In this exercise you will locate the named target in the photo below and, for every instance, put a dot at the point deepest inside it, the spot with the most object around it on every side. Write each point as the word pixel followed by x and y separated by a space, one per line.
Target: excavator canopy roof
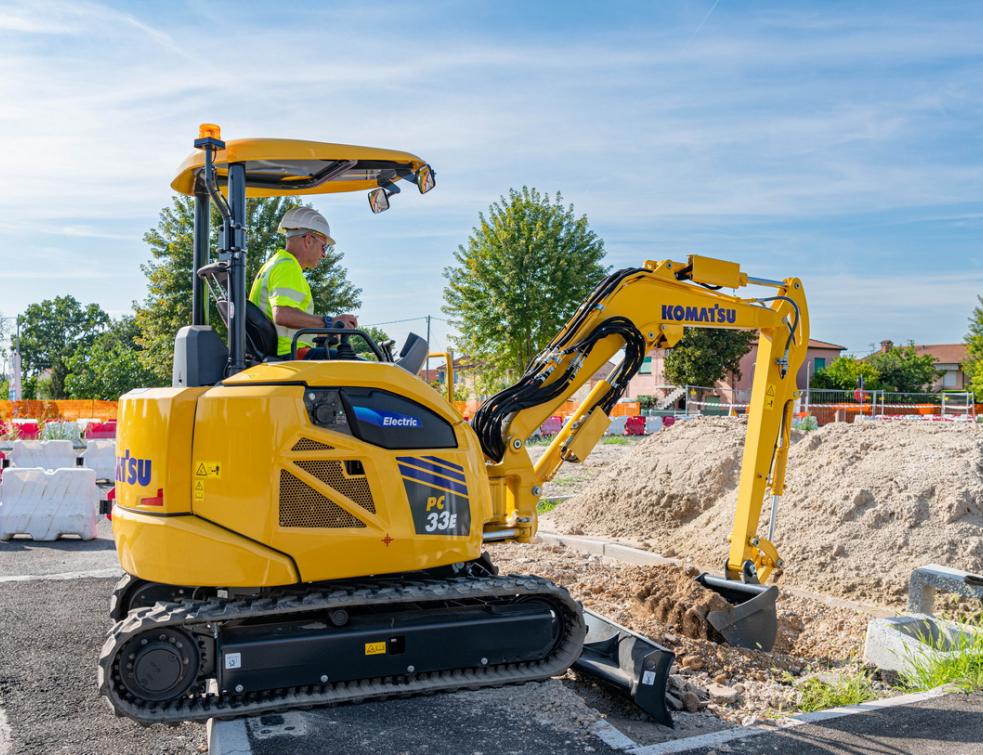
pixel 282 167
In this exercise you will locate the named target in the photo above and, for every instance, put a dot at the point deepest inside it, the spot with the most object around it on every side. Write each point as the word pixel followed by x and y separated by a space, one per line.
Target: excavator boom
pixel 633 311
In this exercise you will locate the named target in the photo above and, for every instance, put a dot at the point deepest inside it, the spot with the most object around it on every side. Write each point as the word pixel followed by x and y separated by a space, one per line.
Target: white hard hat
pixel 304 219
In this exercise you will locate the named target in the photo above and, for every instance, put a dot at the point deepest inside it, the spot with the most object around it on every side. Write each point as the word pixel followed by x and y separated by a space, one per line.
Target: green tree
pixel 525 268
pixel 974 345
pixel 844 374
pixel 168 304
pixel 50 333
pixel 900 369
pixel 378 335
pixel 110 366
pixel 705 355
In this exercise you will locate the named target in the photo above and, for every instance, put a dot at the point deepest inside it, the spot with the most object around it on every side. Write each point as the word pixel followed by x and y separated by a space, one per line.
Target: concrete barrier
pixel 46 505
pixel 46 454
pixel 897 643
pixel 617 426
pixel 653 425
pixel 100 456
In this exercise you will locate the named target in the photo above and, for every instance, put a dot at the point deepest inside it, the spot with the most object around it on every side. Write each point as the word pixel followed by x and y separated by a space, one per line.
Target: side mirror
pixel 378 200
pixel 426 179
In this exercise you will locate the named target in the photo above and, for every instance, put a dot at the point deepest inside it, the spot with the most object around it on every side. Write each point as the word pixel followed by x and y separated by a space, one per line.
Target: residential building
pixel 651 377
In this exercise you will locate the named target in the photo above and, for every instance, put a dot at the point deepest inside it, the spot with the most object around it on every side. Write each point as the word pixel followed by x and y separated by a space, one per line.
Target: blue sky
pixel 840 142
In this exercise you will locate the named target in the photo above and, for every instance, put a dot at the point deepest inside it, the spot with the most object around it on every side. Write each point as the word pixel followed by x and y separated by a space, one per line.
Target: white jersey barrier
pixel 653 425
pixel 617 426
pixel 47 454
pixel 100 456
pixel 45 505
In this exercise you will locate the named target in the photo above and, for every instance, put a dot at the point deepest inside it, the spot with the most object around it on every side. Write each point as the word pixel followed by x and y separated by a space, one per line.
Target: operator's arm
pixel 291 317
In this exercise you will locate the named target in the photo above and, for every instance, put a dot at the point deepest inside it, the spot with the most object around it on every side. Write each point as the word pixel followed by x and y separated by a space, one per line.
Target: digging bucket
pixel 629 661
pixel 751 621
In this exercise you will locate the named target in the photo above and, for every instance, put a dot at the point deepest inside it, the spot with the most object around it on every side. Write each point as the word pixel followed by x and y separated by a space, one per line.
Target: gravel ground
pixel 51 632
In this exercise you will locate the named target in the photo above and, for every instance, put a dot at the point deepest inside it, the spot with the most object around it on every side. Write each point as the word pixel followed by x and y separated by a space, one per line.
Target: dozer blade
pixel 627 660
pixel 751 621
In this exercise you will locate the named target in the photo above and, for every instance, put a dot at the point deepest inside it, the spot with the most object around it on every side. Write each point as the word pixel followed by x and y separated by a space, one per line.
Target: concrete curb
pixel 227 737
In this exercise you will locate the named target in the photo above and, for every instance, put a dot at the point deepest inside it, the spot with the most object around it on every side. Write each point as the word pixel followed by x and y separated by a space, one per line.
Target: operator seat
pixel 261 337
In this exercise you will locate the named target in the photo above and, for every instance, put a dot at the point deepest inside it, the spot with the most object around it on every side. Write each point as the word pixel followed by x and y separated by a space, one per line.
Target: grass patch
pixel 546 505
pixel 615 440
pixel 959 663
pixel 817 694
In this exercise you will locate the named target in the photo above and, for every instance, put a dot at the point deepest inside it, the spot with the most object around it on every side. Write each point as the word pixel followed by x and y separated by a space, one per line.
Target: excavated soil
pixel 666 604
pixel 864 503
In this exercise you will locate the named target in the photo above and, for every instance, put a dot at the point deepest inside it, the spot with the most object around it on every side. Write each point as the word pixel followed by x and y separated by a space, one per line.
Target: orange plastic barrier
pixel 60 410
pixel 627 409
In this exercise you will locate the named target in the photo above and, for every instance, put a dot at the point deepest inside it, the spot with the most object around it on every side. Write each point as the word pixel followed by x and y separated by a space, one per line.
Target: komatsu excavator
pixel 300 532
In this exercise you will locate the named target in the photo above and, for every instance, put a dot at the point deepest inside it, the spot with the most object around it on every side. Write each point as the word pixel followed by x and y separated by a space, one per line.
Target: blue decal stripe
pixel 446 463
pixel 427 466
pixel 429 487
pixel 416 475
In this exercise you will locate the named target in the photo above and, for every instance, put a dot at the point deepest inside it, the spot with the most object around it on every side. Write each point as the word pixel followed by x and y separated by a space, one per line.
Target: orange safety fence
pixel 68 410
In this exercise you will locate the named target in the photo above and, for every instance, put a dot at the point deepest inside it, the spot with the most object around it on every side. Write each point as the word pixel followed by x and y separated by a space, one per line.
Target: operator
pixel 280 288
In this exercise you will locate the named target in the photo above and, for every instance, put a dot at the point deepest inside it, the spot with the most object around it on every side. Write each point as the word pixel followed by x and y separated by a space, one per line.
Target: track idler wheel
pixel 159 665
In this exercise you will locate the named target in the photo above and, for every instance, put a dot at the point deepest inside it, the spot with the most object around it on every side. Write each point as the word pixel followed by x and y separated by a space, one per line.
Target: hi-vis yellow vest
pixel 280 282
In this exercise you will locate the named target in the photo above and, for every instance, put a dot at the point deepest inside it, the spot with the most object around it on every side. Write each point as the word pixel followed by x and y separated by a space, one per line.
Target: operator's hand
pixel 349 321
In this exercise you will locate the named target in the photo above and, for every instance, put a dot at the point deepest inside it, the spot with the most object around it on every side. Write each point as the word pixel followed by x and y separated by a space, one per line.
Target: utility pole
pixel 429 348
pixel 14 391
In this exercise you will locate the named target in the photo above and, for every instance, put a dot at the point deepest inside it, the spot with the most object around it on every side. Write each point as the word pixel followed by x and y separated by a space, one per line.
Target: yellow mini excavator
pixel 300 532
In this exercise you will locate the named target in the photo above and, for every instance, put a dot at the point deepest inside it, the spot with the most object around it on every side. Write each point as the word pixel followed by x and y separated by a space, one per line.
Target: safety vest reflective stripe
pixel 262 299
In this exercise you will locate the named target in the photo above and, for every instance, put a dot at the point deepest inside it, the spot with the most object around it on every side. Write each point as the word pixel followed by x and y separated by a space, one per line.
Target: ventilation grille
pixel 329 472
pixel 302 506
pixel 306 444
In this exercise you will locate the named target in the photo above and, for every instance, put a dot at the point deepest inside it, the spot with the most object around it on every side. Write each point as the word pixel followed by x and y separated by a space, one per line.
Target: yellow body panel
pixel 242 441
pixel 255 152
pixel 153 449
pixel 186 550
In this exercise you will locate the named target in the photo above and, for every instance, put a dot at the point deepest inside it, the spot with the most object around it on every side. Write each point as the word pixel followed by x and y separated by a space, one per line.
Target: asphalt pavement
pixel 54 617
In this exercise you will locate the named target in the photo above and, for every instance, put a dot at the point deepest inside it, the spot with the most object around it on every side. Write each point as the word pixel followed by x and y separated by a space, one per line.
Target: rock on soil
pixel 864 503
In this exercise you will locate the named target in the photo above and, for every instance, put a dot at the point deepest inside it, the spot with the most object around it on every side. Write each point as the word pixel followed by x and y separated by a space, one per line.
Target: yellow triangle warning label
pixel 200 471
pixel 771 390
pixel 200 485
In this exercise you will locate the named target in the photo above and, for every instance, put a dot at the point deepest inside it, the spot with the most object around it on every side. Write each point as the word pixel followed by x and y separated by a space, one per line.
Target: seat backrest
pixel 261 336
pixel 260 331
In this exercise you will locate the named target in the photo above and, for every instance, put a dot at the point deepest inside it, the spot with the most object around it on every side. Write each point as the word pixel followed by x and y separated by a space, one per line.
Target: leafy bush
pixel 60 431
pixel 805 424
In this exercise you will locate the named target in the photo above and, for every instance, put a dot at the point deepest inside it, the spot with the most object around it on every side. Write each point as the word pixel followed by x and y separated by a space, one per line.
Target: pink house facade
pixel 651 377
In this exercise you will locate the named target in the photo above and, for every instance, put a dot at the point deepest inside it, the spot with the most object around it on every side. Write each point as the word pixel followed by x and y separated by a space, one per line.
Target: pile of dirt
pixel 666 604
pixel 864 504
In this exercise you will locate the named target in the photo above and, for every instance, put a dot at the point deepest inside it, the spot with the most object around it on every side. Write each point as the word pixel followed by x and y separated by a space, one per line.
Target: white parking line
pixel 6 738
pixel 94 574
pixel 714 739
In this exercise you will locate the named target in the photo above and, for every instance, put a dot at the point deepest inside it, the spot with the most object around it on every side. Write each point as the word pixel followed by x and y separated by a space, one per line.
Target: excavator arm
pixel 633 311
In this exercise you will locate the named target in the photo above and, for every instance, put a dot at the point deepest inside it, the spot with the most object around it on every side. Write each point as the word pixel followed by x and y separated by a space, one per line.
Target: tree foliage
pixel 523 271
pixel 110 366
pixel 168 304
pixel 974 345
pixel 901 369
pixel 844 374
pixel 705 355
pixel 50 332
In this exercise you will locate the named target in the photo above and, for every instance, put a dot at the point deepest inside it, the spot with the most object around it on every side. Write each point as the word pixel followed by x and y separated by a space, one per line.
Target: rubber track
pixel 192 614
